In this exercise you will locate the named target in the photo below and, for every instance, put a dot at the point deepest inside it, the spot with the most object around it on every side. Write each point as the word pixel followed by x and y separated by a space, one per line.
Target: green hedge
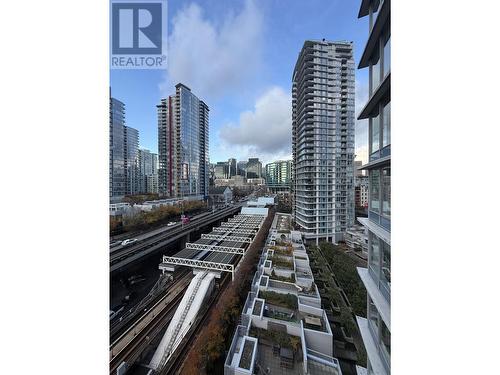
pixel 344 268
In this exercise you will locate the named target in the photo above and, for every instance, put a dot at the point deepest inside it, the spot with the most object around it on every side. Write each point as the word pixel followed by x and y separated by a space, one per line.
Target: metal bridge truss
pixel 219 237
pixel 199 263
pixel 218 249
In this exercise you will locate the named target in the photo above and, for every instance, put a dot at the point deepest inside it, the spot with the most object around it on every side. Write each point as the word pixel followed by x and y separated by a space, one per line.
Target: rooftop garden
pixel 281 242
pixel 274 312
pixel 283 339
pixel 344 269
pixel 283 250
pixel 279 299
pixel 263 281
pixel 257 307
pixel 280 261
pixel 282 278
pixel 246 355
pixel 310 290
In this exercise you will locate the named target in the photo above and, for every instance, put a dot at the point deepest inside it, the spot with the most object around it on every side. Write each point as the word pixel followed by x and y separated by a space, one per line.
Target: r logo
pixel 137 28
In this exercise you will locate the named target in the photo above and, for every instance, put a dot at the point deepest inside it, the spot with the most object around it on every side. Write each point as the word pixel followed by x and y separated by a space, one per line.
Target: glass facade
pixel 375 191
pixel 378 49
pixel 189 144
pixel 183 145
pixel 386 128
pixel 132 160
pixel 123 158
pixel 117 150
pixel 385 274
pixel 375 138
pixel 278 175
pixel 387 56
pixel 375 72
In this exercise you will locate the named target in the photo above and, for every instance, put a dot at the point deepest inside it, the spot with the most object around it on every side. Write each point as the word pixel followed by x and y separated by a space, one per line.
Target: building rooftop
pixel 283 313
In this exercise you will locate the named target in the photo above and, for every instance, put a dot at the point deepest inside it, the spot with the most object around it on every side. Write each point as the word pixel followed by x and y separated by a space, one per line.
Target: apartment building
pixel 148 172
pixel 376 328
pixel 183 145
pixel 323 140
pixel 278 175
pixel 123 153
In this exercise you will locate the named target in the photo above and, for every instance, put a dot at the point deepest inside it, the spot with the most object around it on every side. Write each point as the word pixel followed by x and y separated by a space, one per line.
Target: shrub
pixel 279 299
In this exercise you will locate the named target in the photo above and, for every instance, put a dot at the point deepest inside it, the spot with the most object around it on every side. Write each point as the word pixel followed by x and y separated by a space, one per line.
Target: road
pixel 158 238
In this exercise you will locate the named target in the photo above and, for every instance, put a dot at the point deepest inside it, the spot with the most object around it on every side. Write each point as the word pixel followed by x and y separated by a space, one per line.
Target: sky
pixel 238 56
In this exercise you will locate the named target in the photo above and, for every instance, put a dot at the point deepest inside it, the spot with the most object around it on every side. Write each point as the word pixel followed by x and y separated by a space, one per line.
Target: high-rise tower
pixel 323 140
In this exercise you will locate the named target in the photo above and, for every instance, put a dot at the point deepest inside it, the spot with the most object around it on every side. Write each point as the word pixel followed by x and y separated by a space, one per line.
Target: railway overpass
pixel 157 239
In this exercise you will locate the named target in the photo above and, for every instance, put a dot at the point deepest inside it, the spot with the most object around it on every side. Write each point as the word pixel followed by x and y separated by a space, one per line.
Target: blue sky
pixel 238 56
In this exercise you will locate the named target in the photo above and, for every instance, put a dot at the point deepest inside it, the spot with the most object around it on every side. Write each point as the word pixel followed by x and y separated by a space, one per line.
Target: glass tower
pixel 183 145
pixel 278 175
pixel 376 328
pixel 123 152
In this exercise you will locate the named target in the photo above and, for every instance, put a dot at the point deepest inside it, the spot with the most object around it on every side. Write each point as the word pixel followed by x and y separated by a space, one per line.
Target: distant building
pixel 183 145
pixel 361 191
pixel 211 176
pixel 356 238
pixel 123 153
pixel 254 168
pixel 220 195
pixel 152 184
pixel 323 140
pixel 232 168
pixel 278 175
pixel 358 172
pixel 148 172
pixel 221 170
pixel 132 162
pixel 242 168
pixel 256 181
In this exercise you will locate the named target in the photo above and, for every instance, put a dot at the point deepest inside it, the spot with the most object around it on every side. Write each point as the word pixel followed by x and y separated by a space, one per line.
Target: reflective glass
pixel 375 190
pixel 386 191
pixel 386 131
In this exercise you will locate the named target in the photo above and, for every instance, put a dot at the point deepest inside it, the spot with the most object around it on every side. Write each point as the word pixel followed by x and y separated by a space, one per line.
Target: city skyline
pixel 250 108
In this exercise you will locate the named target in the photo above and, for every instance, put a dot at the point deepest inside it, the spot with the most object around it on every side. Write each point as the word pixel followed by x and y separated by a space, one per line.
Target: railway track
pixel 174 365
pixel 118 327
pixel 132 342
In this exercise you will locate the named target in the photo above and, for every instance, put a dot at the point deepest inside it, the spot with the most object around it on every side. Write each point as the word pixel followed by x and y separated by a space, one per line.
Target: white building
pixel 323 140
pixel 283 324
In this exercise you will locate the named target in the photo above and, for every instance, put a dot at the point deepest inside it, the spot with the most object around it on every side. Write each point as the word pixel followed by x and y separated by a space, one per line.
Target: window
pixel 385 275
pixel 385 344
pixel 387 56
pixel 375 72
pixel 386 127
pixel 374 190
pixel 373 317
pixel 386 191
pixel 375 141
pixel 375 255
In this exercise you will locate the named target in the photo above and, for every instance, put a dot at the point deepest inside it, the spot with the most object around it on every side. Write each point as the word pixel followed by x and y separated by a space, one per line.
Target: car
pixel 171 223
pixel 128 241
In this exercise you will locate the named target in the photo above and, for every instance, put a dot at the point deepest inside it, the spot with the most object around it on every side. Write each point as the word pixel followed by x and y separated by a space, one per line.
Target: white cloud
pixel 212 59
pixel 265 131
